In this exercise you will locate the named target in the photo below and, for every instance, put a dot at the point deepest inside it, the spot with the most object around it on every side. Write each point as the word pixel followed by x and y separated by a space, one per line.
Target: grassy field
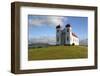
pixel 57 52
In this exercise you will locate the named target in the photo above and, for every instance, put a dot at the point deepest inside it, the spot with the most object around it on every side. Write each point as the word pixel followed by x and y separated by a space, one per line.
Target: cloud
pixel 56 20
pixel 49 40
pixel 47 20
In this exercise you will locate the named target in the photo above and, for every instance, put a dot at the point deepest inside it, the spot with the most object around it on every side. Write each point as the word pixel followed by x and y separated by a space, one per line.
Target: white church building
pixel 66 36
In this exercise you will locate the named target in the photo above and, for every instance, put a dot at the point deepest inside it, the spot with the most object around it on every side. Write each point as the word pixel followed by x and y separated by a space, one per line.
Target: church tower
pixel 68 34
pixel 58 34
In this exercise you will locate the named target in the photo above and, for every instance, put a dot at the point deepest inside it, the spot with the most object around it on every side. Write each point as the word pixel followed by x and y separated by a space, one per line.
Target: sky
pixel 43 27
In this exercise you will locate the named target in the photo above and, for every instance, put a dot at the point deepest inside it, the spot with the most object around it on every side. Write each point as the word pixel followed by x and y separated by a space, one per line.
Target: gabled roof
pixel 74 35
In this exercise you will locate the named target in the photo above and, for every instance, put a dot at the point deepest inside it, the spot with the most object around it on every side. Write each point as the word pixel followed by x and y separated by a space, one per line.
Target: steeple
pixel 58 26
pixel 68 25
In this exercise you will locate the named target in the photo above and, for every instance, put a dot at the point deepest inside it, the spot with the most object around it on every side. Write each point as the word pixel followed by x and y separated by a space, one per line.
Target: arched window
pixel 67 30
pixel 57 30
pixel 67 38
pixel 57 38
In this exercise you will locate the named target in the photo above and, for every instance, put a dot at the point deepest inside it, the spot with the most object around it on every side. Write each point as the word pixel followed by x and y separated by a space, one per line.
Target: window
pixel 57 30
pixel 57 38
pixel 67 30
pixel 67 38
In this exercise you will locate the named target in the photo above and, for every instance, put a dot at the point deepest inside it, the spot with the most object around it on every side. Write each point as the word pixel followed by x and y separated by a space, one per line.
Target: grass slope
pixel 57 52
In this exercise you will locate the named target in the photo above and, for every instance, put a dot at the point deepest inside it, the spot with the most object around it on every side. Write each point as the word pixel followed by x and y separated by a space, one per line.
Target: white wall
pixel 75 40
pixel 58 35
pixel 5 27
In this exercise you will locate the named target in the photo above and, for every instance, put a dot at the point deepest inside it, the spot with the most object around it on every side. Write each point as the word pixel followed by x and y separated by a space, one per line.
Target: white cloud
pixel 56 20
pixel 44 39
pixel 48 20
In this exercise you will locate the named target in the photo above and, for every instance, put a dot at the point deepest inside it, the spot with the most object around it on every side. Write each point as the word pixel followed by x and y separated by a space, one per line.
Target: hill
pixel 57 52
pixel 83 42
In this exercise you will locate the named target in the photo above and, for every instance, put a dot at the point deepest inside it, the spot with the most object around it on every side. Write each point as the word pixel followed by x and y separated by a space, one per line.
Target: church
pixel 66 36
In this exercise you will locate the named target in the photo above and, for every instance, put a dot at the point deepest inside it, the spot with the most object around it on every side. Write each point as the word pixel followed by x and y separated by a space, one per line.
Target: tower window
pixel 57 39
pixel 57 30
pixel 67 38
pixel 67 30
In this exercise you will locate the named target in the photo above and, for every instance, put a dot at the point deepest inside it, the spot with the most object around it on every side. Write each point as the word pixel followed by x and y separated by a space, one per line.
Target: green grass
pixel 57 52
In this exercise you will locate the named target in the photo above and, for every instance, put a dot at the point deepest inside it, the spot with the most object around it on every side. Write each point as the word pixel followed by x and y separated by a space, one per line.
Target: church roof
pixel 58 26
pixel 68 25
pixel 74 35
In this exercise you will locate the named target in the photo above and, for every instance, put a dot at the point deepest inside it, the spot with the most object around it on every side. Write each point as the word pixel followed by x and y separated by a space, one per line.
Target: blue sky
pixel 40 26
